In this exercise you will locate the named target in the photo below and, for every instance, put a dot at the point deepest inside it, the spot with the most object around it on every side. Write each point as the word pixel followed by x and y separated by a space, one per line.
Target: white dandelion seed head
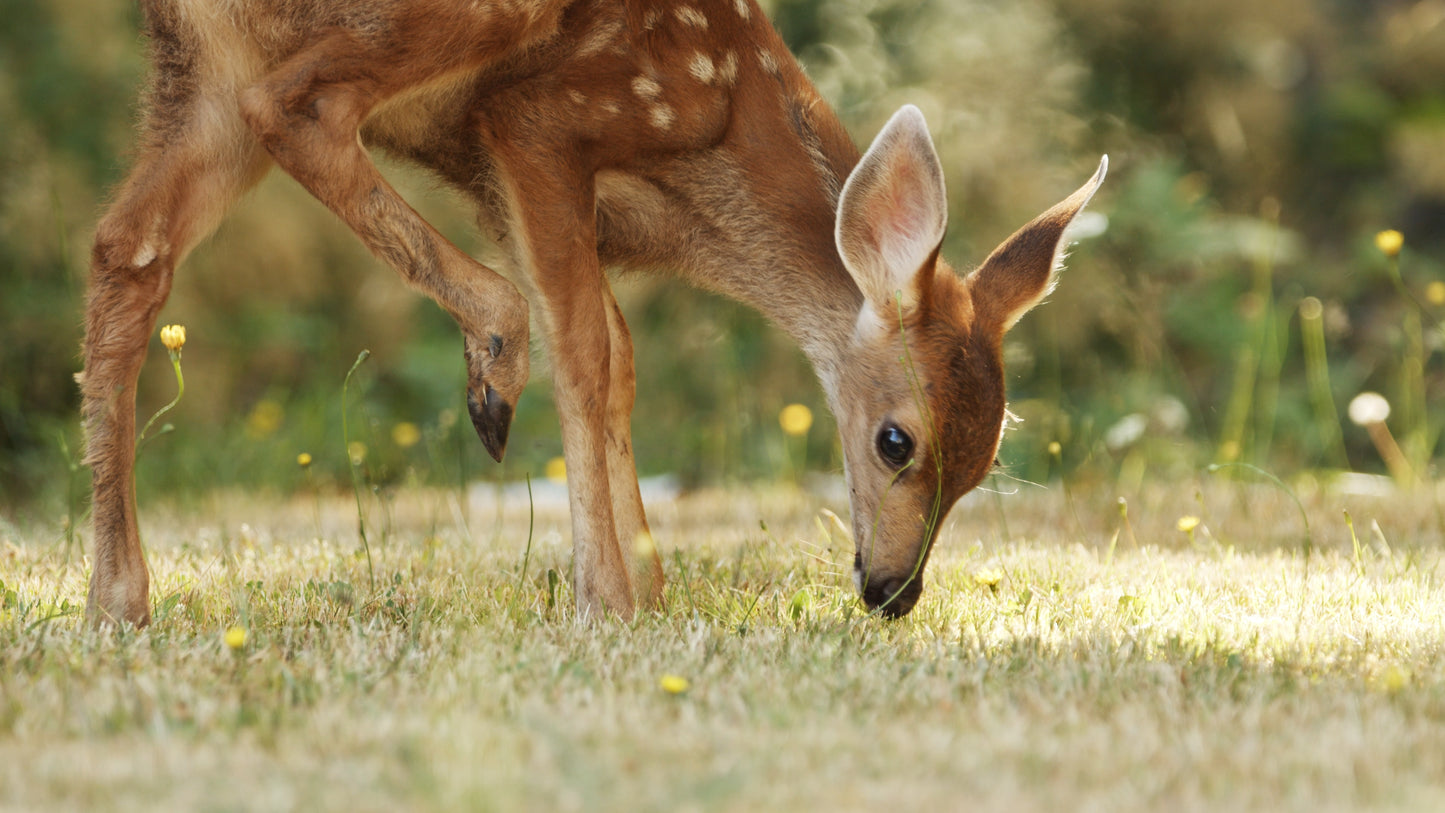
pixel 1369 408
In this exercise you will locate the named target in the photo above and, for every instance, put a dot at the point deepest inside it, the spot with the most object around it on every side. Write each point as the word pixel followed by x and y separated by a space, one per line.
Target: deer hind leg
pixel 628 514
pixel 174 197
pixel 307 114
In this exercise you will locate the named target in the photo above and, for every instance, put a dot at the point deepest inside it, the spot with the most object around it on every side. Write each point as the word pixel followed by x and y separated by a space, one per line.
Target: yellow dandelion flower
pixel 356 450
pixel 173 337
pixel 796 420
pixel 1435 293
pixel 1055 448
pixel 643 547
pixel 674 684
pixel 303 460
pixel 1389 242
pixel 1394 678
pixel 265 418
pixel 1188 523
pixel 556 470
pixel 988 577
pixel 405 434
pixel 235 638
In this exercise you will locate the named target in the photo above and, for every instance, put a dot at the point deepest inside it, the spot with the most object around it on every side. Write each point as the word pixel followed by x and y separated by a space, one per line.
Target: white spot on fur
pixel 651 18
pixel 646 88
pixel 576 97
pixel 662 116
pixel 611 108
pixel 765 58
pixel 742 7
pixel 145 255
pixel 701 68
pixel 691 16
pixel 729 68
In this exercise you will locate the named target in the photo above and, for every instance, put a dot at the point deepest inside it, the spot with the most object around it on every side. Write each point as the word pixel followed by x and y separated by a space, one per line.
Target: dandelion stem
pixel 1395 459
pixel 180 390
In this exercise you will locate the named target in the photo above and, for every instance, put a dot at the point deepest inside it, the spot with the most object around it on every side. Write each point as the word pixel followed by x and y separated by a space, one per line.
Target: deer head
pixel 920 394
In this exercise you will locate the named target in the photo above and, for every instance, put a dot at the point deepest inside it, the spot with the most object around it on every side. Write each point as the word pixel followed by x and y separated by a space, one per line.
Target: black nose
pixel 892 597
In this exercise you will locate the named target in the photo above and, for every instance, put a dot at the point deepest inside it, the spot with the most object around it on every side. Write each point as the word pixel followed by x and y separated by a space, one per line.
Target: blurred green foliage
pixel 1256 149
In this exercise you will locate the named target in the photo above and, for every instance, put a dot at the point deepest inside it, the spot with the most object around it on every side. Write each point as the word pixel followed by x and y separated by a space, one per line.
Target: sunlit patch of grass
pixel 1040 673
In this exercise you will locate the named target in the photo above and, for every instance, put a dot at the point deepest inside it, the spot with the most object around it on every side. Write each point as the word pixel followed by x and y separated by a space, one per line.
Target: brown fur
pixel 642 134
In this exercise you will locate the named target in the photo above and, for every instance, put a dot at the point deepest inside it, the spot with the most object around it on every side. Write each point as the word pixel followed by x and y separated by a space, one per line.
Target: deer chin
pixel 890 598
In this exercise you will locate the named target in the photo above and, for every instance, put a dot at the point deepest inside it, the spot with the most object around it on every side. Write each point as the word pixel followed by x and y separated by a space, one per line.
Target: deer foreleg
pixel 554 209
pixel 307 114
pixel 173 198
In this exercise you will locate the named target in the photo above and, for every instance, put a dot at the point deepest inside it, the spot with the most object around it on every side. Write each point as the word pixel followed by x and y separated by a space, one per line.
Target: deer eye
pixel 894 445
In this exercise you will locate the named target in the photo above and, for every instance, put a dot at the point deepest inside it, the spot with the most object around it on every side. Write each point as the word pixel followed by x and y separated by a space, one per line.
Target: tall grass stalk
pixel 1271 340
pixel 1412 394
pixel 1419 439
pixel 73 497
pixel 1056 451
pixel 1236 412
pixel 355 466
pixel 998 506
pixel 1274 347
pixel 1317 371
pixel 1309 538
pixel 304 461
pixel 1355 542
pixel 527 551
pixel 1259 348
pixel 1126 525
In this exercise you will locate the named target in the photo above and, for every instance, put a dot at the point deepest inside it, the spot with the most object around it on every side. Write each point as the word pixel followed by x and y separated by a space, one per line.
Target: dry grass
pixel 1045 669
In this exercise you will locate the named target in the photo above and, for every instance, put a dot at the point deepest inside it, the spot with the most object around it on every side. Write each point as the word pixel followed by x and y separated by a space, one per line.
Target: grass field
pixel 1061 659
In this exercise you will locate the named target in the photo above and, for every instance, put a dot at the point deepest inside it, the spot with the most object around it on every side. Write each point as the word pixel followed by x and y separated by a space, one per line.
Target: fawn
pixel 661 135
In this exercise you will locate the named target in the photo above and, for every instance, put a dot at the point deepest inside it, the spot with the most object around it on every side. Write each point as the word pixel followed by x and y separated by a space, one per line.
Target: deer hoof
pixel 492 418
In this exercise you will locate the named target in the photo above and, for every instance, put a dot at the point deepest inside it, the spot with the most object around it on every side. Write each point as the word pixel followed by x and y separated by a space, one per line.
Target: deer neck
pixel 770 194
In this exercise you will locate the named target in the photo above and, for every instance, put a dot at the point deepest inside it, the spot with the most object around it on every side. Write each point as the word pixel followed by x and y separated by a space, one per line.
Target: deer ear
pixel 1022 270
pixel 891 215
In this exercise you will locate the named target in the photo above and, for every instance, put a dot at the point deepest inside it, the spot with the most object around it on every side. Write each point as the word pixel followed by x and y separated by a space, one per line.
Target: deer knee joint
pixel 121 247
